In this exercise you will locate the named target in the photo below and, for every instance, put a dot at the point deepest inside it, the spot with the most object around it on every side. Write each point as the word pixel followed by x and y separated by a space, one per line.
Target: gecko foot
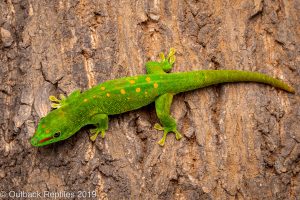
pixel 94 133
pixel 167 63
pixel 166 131
pixel 57 103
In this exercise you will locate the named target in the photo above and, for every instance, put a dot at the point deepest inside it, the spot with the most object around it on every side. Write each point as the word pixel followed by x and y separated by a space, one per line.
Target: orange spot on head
pixel 102 88
pixel 148 79
pixel 132 81
pixel 138 89
pixel 122 91
pixel 43 126
pixel 47 131
pixel 107 94
pixel 155 85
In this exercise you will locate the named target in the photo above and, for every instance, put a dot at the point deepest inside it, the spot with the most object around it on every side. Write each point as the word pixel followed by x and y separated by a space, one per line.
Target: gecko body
pixel 129 93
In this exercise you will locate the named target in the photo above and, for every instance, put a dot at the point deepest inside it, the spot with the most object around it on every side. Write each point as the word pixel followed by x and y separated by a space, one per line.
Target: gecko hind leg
pixel 101 123
pixel 165 64
pixel 163 105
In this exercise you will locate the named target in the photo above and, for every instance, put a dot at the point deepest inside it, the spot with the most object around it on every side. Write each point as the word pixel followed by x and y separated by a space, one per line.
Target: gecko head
pixel 52 128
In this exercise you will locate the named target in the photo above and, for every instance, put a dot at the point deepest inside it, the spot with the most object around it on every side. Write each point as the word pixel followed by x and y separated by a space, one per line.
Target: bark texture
pixel 241 141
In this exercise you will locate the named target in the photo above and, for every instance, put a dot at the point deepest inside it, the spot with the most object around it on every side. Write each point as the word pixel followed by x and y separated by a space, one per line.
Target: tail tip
pixel 291 89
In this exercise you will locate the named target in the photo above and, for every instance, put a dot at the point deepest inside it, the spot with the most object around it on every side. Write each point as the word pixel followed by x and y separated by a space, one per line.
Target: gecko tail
pixel 223 76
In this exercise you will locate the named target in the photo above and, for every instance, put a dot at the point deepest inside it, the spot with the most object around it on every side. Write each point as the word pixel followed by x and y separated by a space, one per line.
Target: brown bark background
pixel 241 141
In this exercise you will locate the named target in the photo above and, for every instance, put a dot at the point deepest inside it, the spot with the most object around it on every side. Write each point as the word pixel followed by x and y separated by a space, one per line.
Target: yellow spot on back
pixel 155 85
pixel 132 81
pixel 94 96
pixel 146 92
pixel 43 126
pixel 122 91
pixel 47 131
pixel 85 100
pixel 102 88
pixel 107 94
pixel 148 79
pixel 138 89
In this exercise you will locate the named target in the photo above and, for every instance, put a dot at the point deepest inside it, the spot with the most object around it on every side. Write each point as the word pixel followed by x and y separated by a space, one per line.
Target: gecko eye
pixel 56 135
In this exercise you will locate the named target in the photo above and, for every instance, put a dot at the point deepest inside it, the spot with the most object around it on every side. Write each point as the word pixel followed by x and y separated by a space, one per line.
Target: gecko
pixel 93 106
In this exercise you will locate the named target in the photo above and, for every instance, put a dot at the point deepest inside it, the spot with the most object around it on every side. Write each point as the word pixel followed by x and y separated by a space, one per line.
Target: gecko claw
pixel 178 136
pixel 161 142
pixel 57 103
pixel 53 99
pixel 167 130
pixel 158 127
pixel 162 57
pixel 95 132
pixel 167 62
pixel 171 56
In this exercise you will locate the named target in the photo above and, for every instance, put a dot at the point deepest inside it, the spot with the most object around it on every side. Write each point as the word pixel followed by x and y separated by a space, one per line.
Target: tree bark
pixel 241 141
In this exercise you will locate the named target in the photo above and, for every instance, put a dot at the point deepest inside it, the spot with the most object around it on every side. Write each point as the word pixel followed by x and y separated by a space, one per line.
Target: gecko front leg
pixel 101 123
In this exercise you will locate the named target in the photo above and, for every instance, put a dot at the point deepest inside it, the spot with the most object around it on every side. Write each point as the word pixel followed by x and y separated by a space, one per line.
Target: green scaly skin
pixel 125 94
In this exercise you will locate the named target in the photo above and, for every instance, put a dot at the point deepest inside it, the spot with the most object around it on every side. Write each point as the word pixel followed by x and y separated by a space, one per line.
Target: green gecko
pixel 129 93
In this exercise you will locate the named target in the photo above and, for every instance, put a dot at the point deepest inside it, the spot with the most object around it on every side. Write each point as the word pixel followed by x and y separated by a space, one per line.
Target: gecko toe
pixel 167 130
pixel 95 132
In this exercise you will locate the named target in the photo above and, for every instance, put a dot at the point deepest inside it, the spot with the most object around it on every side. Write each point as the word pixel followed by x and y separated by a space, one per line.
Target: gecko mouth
pixel 35 142
pixel 45 139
